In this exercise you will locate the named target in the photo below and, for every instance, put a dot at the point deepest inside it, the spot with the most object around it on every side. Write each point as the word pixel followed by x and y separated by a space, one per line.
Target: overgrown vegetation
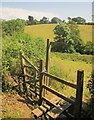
pixel 15 40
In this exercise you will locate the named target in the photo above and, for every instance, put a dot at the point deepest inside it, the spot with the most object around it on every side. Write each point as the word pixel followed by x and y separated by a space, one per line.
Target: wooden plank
pixel 34 92
pixel 31 81
pixel 27 75
pixel 53 101
pixel 57 111
pixel 60 80
pixel 41 110
pixel 58 94
pixel 30 63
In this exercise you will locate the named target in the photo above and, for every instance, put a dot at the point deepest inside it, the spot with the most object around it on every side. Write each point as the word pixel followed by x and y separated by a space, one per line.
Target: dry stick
pixel 79 93
pixel 47 61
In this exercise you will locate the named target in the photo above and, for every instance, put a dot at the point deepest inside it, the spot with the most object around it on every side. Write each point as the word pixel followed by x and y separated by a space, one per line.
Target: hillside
pixel 46 31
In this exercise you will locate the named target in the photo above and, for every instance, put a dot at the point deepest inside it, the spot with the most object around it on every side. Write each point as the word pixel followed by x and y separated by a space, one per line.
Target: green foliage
pixel 89 48
pixel 68 40
pixel 56 20
pixel 44 20
pixel 91 83
pixel 11 26
pixel 79 20
pixel 33 49
pixel 63 40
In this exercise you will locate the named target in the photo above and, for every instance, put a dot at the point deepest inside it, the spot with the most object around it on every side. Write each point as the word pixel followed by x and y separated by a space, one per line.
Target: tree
pixel 89 48
pixel 69 18
pixel 11 26
pixel 56 20
pixel 75 35
pixel 63 40
pixel 31 18
pixel 79 20
pixel 44 20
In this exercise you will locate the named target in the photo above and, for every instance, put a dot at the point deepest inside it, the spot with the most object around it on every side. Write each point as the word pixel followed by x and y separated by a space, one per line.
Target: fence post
pixel 79 93
pixel 47 61
pixel 40 82
pixel 23 71
pixel 47 55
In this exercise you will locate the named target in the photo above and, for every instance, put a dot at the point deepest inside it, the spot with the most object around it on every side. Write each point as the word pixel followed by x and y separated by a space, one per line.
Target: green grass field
pixel 64 66
pixel 46 31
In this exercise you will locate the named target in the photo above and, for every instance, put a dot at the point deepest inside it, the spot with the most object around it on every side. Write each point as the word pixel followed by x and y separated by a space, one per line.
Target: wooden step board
pixel 41 110
pixel 45 107
pixel 57 111
pixel 54 101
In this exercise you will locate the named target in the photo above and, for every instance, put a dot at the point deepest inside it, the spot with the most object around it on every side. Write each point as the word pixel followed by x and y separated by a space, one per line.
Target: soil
pixel 15 106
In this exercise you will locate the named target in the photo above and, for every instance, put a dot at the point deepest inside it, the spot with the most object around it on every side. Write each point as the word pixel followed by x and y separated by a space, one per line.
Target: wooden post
pixel 40 82
pixel 23 72
pixel 47 55
pixel 47 61
pixel 79 93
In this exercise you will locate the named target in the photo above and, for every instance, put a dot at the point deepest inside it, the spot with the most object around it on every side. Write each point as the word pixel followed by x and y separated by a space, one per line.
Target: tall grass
pixel 67 69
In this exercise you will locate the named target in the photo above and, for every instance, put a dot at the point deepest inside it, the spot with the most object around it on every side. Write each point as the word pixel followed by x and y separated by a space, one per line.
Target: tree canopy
pixel 67 38
pixel 56 20
pixel 79 20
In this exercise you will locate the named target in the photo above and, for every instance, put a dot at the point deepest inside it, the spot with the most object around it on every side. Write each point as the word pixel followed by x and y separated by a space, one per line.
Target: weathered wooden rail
pixel 36 83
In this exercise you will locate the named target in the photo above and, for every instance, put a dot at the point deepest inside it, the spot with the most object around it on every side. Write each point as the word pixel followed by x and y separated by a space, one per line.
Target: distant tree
pixel 35 22
pixel 69 18
pixel 79 20
pixel 30 18
pixel 44 20
pixel 56 20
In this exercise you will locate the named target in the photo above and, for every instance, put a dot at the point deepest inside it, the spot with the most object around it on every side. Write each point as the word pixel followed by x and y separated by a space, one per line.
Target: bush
pixel 33 49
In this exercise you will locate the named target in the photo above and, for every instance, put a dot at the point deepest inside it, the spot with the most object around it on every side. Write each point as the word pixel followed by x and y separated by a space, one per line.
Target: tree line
pixel 56 20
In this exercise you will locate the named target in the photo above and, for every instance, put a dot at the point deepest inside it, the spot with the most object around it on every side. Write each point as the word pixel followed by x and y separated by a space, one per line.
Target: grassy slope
pixel 65 68
pixel 86 32
pixel 46 31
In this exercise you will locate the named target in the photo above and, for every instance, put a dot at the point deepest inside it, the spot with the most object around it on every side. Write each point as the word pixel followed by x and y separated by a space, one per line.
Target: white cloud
pixel 13 13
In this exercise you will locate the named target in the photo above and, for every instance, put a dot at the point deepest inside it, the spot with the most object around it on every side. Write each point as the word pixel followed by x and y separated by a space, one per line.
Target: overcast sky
pixel 63 10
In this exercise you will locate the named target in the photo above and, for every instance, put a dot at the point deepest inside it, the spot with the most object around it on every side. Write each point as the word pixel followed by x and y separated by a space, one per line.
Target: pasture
pixel 46 31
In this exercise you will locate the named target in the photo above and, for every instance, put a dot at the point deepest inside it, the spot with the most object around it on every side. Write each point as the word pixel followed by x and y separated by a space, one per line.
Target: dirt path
pixel 14 106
